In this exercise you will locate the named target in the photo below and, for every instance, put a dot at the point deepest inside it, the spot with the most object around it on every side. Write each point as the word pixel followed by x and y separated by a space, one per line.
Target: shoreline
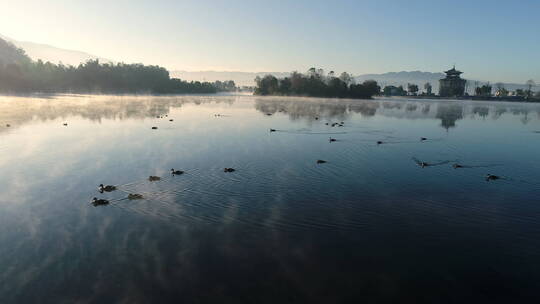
pixel 475 98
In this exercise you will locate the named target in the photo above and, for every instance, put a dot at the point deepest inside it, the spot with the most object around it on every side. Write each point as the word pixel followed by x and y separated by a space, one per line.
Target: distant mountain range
pixel 72 57
pixel 420 78
pixel 53 54
pixel 240 78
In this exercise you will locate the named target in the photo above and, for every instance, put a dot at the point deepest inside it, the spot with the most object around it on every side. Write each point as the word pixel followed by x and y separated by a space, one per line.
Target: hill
pixel 240 78
pixel 53 54
pixel 10 54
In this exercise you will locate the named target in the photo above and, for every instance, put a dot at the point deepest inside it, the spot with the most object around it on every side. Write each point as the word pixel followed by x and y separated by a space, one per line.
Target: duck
pixel 153 178
pixel 99 202
pixel 316 118
pixel 8 125
pixel 491 177
pixel 272 130
pixel 332 139
pixel 423 138
pixel 326 124
pixel 379 142
pixel 65 124
pixel 107 188
pixel 154 128
pixel 320 161
pixel 171 119
pixel 176 172
pixel 134 196
pixel 457 166
pixel 157 116
pixel 268 114
pixel 228 170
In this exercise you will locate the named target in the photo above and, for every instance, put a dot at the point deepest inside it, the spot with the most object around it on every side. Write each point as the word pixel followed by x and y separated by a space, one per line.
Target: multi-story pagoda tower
pixel 453 85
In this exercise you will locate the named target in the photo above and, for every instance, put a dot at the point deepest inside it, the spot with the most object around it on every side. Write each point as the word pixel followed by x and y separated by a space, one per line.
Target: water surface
pixel 370 225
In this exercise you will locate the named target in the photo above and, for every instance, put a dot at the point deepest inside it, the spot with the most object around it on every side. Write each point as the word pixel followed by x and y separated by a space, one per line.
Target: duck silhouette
pixel 176 172
pixel 134 196
pixel 108 188
pixel 99 202
pixel 153 178
pixel 320 161
pixel 491 177
pixel 229 170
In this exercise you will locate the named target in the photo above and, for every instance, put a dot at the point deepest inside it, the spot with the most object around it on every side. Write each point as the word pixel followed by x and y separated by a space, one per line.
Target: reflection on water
pixel 376 223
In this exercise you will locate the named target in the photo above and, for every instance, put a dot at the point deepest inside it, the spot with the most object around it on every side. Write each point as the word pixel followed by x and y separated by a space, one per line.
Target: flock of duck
pixel 135 196
pixel 488 177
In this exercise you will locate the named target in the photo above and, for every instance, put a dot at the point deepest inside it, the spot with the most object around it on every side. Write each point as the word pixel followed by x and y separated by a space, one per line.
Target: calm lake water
pixel 368 226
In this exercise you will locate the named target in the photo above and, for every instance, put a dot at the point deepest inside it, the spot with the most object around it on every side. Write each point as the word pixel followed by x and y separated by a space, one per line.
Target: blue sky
pixel 488 40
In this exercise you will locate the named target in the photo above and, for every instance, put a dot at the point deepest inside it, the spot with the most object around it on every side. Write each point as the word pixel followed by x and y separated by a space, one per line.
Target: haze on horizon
pixel 487 40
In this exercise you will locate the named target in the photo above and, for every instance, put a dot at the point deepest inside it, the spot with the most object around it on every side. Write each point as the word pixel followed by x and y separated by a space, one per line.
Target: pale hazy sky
pixel 489 40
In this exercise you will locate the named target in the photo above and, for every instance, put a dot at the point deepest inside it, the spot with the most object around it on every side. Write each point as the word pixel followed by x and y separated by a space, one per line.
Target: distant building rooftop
pixel 453 71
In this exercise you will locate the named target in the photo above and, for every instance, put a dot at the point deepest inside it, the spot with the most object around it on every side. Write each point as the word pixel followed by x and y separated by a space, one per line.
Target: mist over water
pixel 369 225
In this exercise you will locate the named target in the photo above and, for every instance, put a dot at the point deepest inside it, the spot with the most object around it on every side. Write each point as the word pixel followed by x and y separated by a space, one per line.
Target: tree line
pixel 315 83
pixel 19 74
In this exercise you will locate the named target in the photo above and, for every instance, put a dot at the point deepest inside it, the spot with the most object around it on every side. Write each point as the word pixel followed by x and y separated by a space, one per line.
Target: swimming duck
pixel 229 170
pixel 268 114
pixel 332 139
pixel 491 177
pixel 171 119
pixel 176 172
pixel 154 178
pixel 423 138
pixel 107 188
pixel 272 130
pixel 320 161
pixel 457 166
pixel 379 142
pixel 326 124
pixel 134 196
pixel 8 125
pixel 65 124
pixel 154 128
pixel 99 202
pixel 316 118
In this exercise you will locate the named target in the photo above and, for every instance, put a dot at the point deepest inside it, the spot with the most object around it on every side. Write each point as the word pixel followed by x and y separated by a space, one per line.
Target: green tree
pixel 501 91
pixel 530 84
pixel 412 88
pixel 428 88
